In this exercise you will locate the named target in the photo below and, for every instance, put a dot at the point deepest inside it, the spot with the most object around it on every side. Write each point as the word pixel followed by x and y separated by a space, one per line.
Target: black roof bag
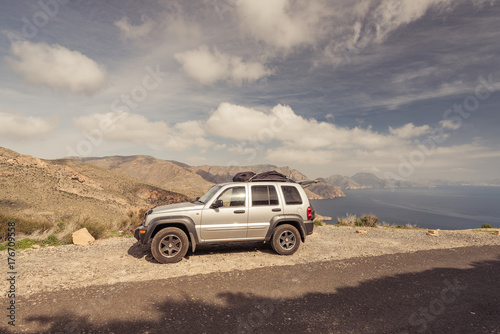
pixel 271 175
pixel 243 176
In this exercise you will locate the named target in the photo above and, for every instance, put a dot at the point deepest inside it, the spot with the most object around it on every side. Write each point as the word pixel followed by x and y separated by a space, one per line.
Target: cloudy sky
pixel 404 89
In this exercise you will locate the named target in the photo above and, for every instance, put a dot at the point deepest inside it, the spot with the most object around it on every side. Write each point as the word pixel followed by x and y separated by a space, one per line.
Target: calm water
pixel 449 208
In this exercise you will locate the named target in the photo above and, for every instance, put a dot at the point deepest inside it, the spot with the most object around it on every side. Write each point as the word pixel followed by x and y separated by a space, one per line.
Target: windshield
pixel 208 195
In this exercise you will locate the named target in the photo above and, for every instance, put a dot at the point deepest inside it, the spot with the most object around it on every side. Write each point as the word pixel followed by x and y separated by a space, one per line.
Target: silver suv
pixel 275 211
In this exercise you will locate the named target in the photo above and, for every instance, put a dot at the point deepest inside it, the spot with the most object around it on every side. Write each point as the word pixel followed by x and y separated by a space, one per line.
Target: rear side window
pixel 264 195
pixel 292 195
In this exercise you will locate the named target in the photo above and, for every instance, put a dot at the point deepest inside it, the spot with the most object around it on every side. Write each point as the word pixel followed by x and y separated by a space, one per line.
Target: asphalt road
pixel 437 291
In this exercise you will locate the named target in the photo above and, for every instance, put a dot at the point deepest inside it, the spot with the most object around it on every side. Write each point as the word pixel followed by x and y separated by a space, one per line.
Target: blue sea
pixel 450 208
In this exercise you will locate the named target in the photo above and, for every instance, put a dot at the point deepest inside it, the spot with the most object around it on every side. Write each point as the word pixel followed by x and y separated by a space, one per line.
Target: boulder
pixel 361 231
pixel 322 218
pixel 433 233
pixel 82 237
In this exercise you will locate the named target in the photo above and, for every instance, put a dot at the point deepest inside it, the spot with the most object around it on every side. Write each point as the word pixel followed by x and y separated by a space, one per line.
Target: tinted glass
pixel 264 195
pixel 233 197
pixel 208 195
pixel 292 195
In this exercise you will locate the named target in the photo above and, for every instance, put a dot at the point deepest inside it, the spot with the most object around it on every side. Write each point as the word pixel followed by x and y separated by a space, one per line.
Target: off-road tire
pixel 286 239
pixel 169 245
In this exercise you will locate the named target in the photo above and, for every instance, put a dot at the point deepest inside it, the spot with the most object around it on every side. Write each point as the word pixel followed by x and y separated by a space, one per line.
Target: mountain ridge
pixel 193 181
pixel 71 190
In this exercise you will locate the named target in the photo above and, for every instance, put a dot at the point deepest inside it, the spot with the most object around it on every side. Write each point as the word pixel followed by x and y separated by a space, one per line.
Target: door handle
pixel 239 211
pixel 276 210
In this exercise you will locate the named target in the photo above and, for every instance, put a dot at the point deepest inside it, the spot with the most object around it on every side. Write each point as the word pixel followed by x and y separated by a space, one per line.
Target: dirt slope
pixel 68 190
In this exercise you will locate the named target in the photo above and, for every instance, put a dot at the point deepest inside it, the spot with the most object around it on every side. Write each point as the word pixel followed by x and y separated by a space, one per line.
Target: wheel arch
pixel 181 222
pixel 295 221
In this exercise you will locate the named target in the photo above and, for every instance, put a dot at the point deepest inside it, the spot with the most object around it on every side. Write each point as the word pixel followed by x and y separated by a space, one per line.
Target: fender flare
pixel 183 221
pixel 286 218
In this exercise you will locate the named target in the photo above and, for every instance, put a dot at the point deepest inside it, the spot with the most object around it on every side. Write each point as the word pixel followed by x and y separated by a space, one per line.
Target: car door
pixel 228 221
pixel 264 205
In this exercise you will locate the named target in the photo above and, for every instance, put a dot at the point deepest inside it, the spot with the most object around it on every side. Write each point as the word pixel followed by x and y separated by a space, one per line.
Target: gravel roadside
pixel 117 260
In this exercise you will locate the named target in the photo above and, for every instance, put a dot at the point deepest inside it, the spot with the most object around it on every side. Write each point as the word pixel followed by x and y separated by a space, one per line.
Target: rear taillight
pixel 309 213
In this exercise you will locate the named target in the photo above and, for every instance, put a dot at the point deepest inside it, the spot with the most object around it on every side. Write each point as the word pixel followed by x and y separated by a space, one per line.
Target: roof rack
pixel 307 183
pixel 270 180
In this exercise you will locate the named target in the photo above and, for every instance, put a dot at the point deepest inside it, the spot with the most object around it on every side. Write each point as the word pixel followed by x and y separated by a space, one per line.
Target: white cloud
pixel 280 23
pixel 409 95
pixel 288 155
pixel 280 136
pixel 244 123
pixel 129 31
pixel 409 130
pixel 447 124
pixel 137 129
pixel 391 14
pixel 24 127
pixel 57 67
pixel 207 67
pixel 416 74
pixel 360 25
pixel 283 125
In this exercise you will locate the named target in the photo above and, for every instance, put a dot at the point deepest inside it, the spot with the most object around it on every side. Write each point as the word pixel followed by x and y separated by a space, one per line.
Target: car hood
pixel 186 206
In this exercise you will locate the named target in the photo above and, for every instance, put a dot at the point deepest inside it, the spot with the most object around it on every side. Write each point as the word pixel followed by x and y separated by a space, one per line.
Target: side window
pixel 264 195
pixel 291 194
pixel 233 197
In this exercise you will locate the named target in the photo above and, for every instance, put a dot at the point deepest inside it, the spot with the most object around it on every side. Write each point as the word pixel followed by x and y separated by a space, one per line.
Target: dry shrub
pixel 23 226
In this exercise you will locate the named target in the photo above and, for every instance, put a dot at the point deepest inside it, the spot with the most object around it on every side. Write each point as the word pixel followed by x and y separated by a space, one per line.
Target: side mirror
pixel 217 204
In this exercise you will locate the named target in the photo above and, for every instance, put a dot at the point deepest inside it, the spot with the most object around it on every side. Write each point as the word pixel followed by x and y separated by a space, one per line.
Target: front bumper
pixel 309 226
pixel 140 234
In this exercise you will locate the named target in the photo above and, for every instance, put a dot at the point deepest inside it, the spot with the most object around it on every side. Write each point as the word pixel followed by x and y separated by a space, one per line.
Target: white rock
pixel 434 233
pixel 82 237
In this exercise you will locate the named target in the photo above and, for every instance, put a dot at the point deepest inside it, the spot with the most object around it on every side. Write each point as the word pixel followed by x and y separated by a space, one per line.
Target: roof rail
pixel 307 183
pixel 271 180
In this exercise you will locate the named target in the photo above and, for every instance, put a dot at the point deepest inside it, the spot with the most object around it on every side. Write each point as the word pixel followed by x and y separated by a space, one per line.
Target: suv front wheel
pixel 286 239
pixel 169 245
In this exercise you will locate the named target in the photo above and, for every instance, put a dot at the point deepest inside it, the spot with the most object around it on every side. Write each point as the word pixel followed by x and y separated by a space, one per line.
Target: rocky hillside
pixel 325 190
pixel 358 181
pixel 343 182
pixel 69 190
pixel 369 180
pixel 219 174
pixel 170 175
pixel 193 181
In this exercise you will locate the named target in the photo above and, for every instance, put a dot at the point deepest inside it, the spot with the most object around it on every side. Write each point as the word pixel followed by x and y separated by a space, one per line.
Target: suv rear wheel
pixel 169 245
pixel 286 240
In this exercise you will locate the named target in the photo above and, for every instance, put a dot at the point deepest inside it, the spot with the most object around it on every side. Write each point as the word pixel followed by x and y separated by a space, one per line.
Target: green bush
pixel 51 240
pixel 486 226
pixel 318 223
pixel 21 244
pixel 26 243
pixel 60 227
pixel 359 223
